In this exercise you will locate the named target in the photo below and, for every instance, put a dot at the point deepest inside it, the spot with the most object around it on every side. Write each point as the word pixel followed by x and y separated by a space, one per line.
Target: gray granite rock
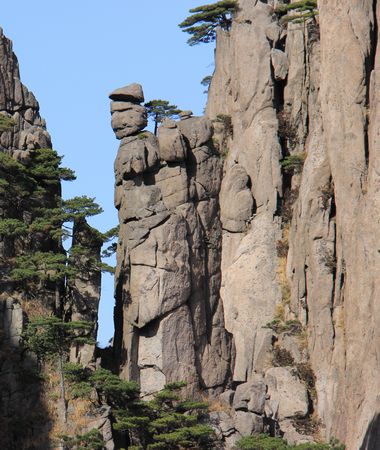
pixel 131 93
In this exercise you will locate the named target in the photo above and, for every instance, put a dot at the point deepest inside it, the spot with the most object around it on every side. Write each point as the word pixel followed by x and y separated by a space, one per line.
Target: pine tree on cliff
pixel 51 338
pixel 205 19
pixel 158 110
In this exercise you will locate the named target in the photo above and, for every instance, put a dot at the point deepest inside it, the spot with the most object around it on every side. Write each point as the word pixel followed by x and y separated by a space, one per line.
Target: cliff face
pixel 226 274
pixel 30 193
pixel 327 104
pixel 169 318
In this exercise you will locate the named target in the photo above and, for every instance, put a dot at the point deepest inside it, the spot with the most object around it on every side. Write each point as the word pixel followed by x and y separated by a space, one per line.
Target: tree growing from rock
pixel 50 338
pixel 297 12
pixel 158 110
pixel 205 19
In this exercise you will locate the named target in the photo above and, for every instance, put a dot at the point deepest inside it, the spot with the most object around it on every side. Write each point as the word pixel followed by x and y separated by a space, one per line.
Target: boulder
pixel 129 121
pixel 172 147
pixel 131 93
pixel 227 397
pixel 236 200
pixel 280 64
pixel 196 130
pixel 134 157
pixel 251 396
pixel 222 423
pixel 185 114
pixel 286 390
pixel 248 423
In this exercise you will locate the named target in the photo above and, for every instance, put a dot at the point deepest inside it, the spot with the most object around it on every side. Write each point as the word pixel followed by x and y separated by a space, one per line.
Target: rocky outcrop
pixel 308 90
pixel 298 239
pixel 169 317
pixel 30 193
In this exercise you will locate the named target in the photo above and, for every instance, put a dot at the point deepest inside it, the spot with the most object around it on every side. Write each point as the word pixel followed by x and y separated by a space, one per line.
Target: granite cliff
pixel 247 261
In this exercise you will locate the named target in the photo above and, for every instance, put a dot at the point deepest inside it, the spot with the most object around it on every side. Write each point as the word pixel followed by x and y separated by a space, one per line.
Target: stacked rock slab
pixel 168 315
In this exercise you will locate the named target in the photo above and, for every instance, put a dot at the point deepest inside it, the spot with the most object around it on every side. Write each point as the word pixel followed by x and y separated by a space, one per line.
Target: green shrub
pixel 6 123
pixel 12 227
pixel 302 11
pixel 265 442
pixel 88 441
pixel 293 163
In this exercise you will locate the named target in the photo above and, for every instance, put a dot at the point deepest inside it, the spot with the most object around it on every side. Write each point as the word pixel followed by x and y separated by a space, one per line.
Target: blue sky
pixel 72 54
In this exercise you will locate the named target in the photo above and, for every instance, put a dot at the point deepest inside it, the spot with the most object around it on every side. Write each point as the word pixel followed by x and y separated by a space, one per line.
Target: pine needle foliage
pixel 204 20
pixel 158 110
pixel 91 440
pixel 297 12
pixel 12 228
pixel 166 422
pixel 45 167
pixel 49 337
pixel 41 266
pixel 293 163
pixel 265 442
pixel 6 123
pixel 115 391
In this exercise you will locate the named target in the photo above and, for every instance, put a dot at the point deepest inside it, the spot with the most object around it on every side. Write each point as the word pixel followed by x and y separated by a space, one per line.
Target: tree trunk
pixel 62 386
pixel 58 306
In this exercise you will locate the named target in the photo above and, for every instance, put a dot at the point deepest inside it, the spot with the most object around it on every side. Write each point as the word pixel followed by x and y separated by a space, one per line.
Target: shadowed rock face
pixel 28 415
pixel 169 318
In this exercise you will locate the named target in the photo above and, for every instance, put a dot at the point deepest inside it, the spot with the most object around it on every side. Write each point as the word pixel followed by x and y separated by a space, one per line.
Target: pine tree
pixel 166 422
pixel 301 11
pixel 51 338
pixel 205 19
pixel 158 110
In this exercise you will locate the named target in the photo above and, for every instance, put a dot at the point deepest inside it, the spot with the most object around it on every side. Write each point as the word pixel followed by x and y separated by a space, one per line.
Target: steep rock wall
pixel 327 104
pixel 30 416
pixel 168 316
pixel 296 269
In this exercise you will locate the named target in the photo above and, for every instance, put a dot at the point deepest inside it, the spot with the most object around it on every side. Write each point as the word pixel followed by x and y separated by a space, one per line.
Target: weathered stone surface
pixel 171 144
pixel 160 289
pixel 248 423
pixel 173 183
pixel 169 258
pixel 134 157
pixel 286 391
pixel 12 318
pixel 280 64
pixel 185 114
pixel 251 396
pixel 227 397
pixel 197 131
pixel 103 424
pixel 273 32
pixel 250 293
pixel 292 436
pixel 236 200
pixel 129 121
pixel 178 352
pixel 130 93
pixel 329 106
pixel 222 423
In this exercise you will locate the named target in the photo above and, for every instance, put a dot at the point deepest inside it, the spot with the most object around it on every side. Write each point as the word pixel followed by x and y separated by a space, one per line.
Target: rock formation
pixel 247 262
pixel 262 275
pixel 169 318
pixel 29 415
